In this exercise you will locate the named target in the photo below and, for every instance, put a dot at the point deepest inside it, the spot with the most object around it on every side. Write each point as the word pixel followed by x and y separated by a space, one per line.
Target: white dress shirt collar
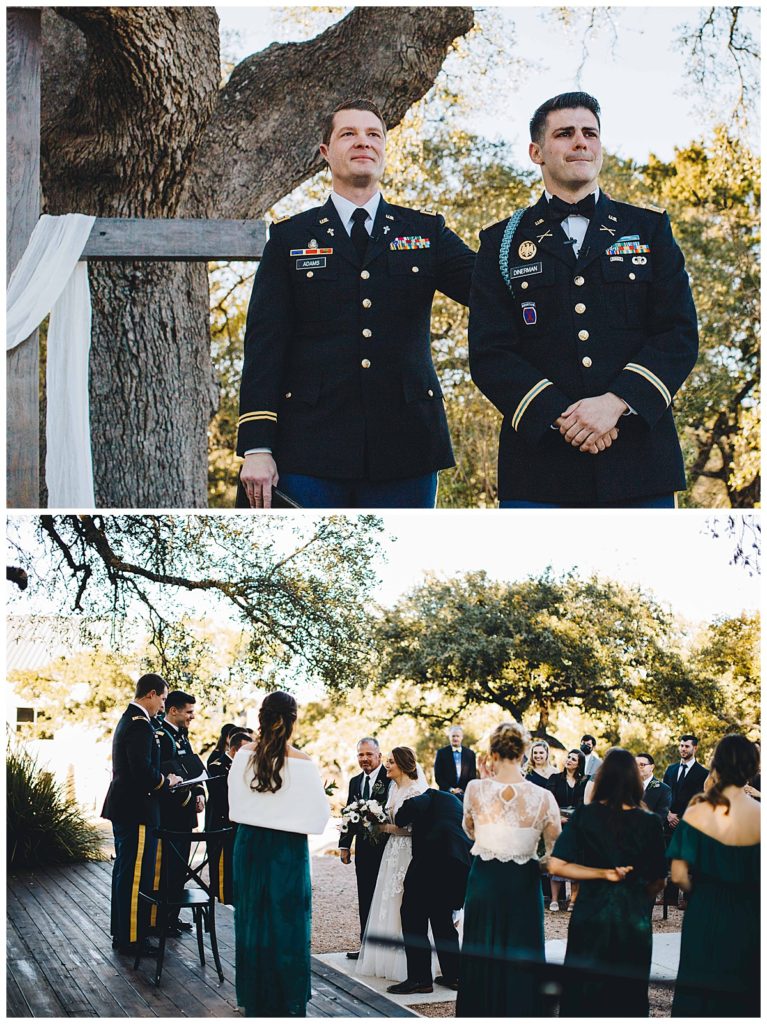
pixel 595 193
pixel 345 208
pixel 142 708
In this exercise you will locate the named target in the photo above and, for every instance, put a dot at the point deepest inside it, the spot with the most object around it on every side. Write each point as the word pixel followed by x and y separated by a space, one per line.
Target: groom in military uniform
pixel 340 402
pixel 582 328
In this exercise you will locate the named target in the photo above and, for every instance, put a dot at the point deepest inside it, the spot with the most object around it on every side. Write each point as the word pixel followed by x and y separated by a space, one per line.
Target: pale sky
pixel 647 104
pixel 667 553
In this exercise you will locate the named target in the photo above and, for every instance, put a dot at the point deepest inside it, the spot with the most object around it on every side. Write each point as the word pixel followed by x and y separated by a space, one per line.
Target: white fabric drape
pixel 50 279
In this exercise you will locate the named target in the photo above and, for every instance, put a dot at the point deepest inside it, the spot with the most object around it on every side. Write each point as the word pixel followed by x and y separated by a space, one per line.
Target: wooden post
pixel 22 213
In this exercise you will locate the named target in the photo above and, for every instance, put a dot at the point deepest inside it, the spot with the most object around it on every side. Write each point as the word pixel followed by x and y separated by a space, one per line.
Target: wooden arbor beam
pixel 178 241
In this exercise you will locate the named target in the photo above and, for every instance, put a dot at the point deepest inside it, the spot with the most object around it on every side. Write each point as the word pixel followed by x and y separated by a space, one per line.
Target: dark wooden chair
pixel 199 897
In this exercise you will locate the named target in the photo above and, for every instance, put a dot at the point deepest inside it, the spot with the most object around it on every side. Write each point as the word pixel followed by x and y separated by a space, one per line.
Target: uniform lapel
pixel 339 241
pixel 603 231
pixel 380 239
pixel 545 234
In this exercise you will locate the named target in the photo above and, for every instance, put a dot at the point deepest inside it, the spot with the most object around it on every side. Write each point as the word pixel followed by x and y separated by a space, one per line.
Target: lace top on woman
pixel 506 820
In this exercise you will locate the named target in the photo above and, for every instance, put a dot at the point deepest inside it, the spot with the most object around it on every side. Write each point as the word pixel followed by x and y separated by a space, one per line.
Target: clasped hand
pixel 589 423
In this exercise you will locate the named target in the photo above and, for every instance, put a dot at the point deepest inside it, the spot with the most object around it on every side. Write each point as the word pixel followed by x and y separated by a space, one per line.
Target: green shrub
pixel 44 827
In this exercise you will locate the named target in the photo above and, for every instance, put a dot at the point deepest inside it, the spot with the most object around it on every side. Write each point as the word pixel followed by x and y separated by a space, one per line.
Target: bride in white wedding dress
pixel 377 960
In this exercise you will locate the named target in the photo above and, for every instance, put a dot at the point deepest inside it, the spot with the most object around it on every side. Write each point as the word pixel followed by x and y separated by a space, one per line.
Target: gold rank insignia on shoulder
pixel 649 206
pixel 281 220
pixel 429 213
pixel 140 718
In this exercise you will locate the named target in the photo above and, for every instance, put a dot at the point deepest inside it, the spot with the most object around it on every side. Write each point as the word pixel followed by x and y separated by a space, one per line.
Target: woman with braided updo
pixel 506 816
pixel 714 855
pixel 277 796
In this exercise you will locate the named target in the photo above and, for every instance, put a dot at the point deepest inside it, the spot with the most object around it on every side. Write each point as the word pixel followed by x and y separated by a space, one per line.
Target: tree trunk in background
pixel 134 124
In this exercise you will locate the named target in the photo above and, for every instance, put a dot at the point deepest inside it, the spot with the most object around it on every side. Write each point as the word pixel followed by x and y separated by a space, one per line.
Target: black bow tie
pixel 559 209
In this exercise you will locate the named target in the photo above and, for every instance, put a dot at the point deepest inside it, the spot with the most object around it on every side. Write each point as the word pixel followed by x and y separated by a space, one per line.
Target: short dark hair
pixel 150 683
pixel 178 699
pixel 592 738
pixel 354 104
pixel 648 757
pixel 237 738
pixel 564 101
pixel 689 736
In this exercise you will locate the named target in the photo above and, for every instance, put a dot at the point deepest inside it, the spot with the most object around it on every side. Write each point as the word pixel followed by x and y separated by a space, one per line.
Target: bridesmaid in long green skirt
pixel 503 919
pixel 506 816
pixel 271 783
pixel 272 922
pixel 715 858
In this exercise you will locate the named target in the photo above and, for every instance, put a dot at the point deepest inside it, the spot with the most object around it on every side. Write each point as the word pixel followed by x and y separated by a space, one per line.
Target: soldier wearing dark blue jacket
pixel 582 328
pixel 340 402
pixel 132 805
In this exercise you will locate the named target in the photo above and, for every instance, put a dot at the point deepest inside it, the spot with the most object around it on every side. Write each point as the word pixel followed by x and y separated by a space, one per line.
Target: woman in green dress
pixel 715 858
pixel 277 797
pixel 615 849
pixel 506 816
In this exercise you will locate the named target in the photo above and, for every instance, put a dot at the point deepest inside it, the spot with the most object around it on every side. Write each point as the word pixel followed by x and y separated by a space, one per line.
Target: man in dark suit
pixel 435 886
pixel 455 765
pixel 178 811
pixel 685 778
pixel 339 398
pixel 132 805
pixel 582 329
pixel 371 784
pixel 657 795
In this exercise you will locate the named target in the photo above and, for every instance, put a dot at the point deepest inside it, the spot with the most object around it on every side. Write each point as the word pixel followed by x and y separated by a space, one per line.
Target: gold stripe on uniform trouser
pixel 136 883
pixel 650 376
pixel 221 877
pixel 521 409
pixel 156 882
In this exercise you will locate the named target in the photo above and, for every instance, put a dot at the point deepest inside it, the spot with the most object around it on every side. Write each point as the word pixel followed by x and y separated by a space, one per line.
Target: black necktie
pixel 360 237
pixel 559 209
pixel 682 774
pixel 366 785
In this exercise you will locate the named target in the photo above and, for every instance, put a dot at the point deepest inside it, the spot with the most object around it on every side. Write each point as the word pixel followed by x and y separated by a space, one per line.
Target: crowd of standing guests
pixel 618 835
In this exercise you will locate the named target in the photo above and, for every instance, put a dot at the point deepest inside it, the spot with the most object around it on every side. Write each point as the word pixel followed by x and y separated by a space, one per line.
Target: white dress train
pixel 377 960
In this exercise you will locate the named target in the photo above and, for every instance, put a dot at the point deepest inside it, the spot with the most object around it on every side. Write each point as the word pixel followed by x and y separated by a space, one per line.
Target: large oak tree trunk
pixel 135 124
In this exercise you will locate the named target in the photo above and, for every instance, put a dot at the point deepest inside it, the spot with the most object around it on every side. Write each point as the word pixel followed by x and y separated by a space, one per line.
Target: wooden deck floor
pixel 60 962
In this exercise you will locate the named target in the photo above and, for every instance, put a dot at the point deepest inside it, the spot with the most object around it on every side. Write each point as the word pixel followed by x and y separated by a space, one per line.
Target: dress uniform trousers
pixel 132 806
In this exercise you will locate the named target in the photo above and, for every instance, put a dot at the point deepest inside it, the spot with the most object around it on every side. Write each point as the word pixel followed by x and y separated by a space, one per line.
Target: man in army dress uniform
pixel 178 811
pixel 132 805
pixel 339 400
pixel 582 328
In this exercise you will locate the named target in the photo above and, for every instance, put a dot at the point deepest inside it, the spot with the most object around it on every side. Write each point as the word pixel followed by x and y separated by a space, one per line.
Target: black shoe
pixel 353 956
pixel 447 982
pixel 138 949
pixel 405 988
pixel 185 926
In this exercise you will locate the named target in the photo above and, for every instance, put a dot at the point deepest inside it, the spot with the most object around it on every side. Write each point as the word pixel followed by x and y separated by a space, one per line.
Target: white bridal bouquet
pixel 367 814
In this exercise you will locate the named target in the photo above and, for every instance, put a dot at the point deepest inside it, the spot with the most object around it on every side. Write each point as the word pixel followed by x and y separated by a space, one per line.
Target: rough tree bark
pixel 135 124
